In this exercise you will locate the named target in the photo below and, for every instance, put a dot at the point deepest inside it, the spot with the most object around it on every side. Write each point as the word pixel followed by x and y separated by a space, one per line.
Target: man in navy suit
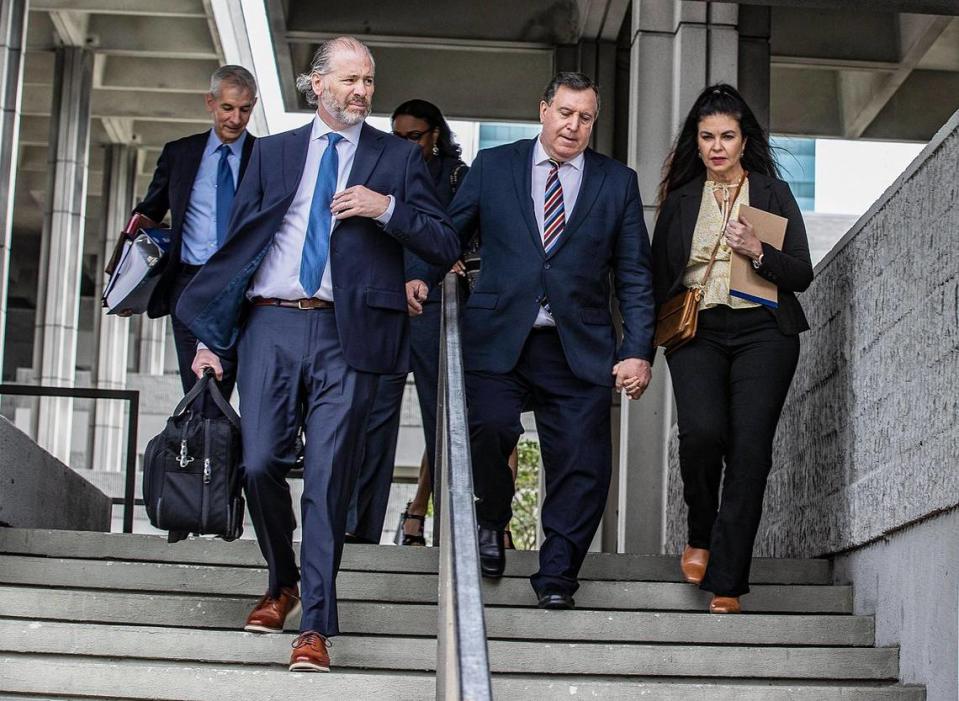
pixel 310 288
pixel 555 221
pixel 195 180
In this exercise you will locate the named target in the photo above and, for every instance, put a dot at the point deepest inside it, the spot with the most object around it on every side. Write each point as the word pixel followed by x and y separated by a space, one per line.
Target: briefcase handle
pixel 208 382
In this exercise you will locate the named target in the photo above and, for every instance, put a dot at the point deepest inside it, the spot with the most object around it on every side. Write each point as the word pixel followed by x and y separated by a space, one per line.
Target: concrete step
pixel 403 588
pixel 210 551
pixel 44 676
pixel 419 654
pixel 229 612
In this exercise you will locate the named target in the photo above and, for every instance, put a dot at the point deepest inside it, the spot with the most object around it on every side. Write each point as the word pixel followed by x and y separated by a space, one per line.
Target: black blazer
pixel 170 191
pixel 790 269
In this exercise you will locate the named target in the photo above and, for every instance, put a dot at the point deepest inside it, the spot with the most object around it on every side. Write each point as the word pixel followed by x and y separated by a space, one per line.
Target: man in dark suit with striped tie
pixel 195 180
pixel 555 221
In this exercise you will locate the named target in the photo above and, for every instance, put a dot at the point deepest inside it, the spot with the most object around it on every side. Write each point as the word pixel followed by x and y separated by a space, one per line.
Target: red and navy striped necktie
pixel 554 214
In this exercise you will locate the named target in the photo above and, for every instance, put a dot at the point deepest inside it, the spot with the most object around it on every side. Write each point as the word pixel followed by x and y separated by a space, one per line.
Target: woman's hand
pixel 742 238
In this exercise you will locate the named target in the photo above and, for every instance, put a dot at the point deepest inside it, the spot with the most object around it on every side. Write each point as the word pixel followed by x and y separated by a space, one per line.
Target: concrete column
pixel 152 345
pixel 62 246
pixel 13 33
pixel 113 331
pixel 677 49
pixel 754 65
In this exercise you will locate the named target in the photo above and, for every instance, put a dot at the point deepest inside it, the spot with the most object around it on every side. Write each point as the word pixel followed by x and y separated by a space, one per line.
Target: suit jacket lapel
pixel 295 148
pixel 368 152
pixel 759 189
pixel 190 166
pixel 594 175
pixel 245 155
pixel 522 168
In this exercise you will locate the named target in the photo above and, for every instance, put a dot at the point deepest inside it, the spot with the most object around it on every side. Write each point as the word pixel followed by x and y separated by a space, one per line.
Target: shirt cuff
pixel 385 217
pixel 200 345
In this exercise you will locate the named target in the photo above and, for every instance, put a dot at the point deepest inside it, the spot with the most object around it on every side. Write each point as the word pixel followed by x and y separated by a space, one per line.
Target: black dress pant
pixel 572 418
pixel 185 341
pixel 730 384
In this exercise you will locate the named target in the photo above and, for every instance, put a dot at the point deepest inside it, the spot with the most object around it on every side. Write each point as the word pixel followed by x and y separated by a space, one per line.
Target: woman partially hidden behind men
pixel 731 379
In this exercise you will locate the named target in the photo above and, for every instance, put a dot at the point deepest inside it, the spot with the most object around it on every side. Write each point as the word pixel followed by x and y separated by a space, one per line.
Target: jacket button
pixel 547 266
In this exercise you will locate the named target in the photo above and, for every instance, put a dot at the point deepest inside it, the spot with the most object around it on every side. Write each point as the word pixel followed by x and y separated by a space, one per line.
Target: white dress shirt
pixel 570 177
pixel 279 273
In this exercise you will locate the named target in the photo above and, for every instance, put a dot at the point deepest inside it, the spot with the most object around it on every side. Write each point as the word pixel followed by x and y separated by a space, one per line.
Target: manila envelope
pixel 744 281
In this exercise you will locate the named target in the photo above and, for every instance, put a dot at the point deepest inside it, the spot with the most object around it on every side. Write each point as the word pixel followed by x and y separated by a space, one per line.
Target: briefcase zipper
pixel 207 477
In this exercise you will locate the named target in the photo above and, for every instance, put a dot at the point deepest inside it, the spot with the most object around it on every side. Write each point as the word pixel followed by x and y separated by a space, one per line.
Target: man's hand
pixel 359 201
pixel 205 358
pixel 416 293
pixel 632 375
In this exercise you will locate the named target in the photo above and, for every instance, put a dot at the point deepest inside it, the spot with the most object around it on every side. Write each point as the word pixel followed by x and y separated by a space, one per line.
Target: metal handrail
pixel 127 395
pixel 462 659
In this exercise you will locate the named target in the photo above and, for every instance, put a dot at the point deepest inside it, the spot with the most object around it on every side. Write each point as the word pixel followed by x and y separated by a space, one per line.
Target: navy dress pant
pixel 730 384
pixel 573 421
pixel 372 493
pixel 425 358
pixel 185 341
pixel 292 374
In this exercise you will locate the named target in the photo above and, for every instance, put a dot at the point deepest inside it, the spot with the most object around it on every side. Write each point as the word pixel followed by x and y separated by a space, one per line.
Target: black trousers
pixel 572 418
pixel 185 341
pixel 730 384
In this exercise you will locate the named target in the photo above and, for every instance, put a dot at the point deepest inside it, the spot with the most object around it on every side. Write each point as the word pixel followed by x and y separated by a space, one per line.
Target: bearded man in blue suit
pixel 309 287
pixel 556 221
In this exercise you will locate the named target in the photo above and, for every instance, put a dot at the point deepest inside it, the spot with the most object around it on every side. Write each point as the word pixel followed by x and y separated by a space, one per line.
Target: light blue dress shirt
pixel 199 221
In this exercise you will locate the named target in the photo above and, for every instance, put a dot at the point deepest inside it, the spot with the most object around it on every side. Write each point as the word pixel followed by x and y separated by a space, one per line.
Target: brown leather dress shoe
pixel 270 615
pixel 310 653
pixel 725 604
pixel 693 564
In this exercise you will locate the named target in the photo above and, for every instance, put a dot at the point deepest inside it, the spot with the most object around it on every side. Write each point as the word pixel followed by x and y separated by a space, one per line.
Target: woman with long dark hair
pixel 420 122
pixel 731 379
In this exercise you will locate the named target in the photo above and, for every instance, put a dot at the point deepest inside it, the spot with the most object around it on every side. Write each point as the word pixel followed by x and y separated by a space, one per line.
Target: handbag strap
pixel 204 383
pixel 722 230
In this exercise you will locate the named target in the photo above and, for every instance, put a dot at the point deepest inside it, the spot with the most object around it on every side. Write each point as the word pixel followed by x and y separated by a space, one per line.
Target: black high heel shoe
pixel 404 538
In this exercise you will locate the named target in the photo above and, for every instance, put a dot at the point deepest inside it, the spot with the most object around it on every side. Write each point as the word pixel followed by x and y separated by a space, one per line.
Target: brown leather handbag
pixel 678 317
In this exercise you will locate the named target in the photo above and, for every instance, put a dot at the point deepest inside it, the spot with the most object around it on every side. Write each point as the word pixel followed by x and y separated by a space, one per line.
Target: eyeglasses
pixel 410 135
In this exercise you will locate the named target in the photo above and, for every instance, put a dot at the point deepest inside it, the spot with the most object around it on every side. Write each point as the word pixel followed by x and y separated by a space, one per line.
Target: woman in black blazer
pixel 731 380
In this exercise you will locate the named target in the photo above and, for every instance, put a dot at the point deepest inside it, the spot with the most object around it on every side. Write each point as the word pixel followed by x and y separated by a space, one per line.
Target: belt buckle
pixel 301 302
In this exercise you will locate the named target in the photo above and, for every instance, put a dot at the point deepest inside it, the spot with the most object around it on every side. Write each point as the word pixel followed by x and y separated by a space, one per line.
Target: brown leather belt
pixel 309 303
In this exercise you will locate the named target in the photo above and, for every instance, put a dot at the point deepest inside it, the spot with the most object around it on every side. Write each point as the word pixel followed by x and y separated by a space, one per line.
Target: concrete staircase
pixel 129 616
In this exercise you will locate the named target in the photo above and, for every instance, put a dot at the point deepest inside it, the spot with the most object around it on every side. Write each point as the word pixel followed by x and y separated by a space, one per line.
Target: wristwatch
pixel 758 262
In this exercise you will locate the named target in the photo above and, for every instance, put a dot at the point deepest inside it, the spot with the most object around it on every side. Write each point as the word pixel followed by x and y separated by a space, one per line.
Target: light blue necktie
pixel 316 245
pixel 225 190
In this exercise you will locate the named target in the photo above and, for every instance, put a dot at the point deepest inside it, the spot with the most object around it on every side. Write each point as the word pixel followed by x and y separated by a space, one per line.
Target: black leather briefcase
pixel 191 470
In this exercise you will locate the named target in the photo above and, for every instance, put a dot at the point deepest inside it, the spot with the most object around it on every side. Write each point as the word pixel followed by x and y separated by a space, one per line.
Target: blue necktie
pixel 316 245
pixel 225 189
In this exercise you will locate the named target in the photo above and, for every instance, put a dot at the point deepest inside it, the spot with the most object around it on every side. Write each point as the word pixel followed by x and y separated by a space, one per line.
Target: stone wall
pixel 39 491
pixel 869 440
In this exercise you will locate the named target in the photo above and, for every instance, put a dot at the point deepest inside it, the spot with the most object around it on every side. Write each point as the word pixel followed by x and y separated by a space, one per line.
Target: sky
pixel 850 175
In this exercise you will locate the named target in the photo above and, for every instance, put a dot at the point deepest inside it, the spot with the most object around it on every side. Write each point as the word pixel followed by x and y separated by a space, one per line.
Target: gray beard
pixel 341 114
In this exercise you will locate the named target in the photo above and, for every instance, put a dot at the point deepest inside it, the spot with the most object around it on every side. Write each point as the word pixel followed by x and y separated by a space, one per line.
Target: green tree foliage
pixel 526 498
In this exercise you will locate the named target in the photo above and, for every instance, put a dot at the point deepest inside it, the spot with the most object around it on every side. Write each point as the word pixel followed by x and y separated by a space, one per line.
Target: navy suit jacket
pixel 170 191
pixel 605 235
pixel 366 259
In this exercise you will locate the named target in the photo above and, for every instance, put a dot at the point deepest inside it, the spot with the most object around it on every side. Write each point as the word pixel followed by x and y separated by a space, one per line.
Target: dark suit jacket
pixel 790 269
pixel 444 191
pixel 604 235
pixel 170 191
pixel 366 259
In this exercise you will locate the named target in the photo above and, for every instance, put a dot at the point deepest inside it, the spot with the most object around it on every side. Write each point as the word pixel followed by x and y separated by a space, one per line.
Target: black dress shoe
pixel 492 555
pixel 556 600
